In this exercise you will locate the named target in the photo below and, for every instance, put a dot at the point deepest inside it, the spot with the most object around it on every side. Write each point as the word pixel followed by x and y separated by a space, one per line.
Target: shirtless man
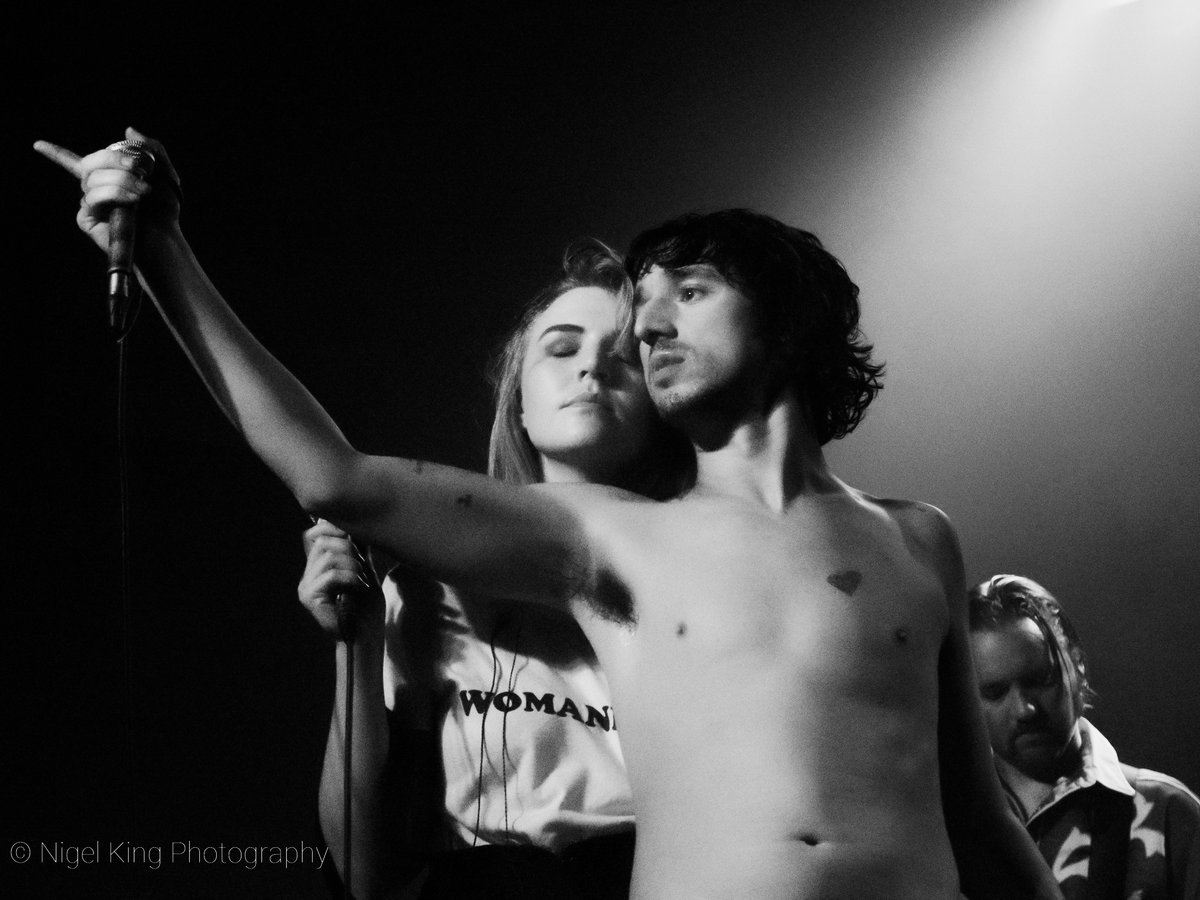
pixel 789 656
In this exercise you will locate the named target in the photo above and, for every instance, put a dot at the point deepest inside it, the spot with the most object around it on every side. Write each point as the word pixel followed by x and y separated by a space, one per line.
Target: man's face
pixel 1028 707
pixel 699 338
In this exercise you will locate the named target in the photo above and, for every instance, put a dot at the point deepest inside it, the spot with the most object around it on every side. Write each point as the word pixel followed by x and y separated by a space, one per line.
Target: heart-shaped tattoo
pixel 847 582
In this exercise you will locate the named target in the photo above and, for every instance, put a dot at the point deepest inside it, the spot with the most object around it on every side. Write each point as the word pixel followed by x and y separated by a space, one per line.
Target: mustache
pixel 1039 724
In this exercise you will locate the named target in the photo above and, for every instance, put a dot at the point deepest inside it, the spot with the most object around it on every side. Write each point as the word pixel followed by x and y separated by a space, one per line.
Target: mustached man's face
pixel 1027 704
pixel 699 338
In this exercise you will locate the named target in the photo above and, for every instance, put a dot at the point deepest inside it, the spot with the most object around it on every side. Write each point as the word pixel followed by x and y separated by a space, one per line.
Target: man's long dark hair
pixel 808 304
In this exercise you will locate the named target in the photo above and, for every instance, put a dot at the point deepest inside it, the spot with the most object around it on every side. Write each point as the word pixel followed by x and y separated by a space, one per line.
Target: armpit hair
pixel 609 598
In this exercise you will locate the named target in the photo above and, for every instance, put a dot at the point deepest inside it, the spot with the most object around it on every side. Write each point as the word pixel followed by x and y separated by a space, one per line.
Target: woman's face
pixel 584 403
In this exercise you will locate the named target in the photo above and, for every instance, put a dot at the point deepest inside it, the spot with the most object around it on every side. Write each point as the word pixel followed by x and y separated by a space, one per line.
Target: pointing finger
pixel 61 155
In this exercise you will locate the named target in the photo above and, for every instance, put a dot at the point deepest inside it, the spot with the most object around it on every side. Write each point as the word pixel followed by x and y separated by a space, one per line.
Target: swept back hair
pixel 1002 599
pixel 808 305
pixel 667 468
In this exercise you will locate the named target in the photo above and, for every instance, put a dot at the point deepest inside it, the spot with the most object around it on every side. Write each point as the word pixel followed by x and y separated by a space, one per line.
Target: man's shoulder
pixel 587 492
pixel 928 534
pixel 597 503
pixel 1160 787
pixel 610 516
pixel 918 520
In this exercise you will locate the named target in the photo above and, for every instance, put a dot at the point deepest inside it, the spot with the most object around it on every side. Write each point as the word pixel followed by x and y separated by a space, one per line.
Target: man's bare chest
pixel 753 582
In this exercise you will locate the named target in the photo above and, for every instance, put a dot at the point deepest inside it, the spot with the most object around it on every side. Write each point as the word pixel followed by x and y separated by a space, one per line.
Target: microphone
pixel 344 605
pixel 122 284
pixel 344 611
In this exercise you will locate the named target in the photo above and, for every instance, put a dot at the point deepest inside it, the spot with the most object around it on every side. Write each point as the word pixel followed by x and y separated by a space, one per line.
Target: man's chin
pixel 671 403
pixel 1038 757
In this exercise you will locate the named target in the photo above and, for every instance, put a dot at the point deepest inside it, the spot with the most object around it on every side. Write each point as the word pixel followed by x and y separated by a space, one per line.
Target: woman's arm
pixel 332 570
pixel 397 786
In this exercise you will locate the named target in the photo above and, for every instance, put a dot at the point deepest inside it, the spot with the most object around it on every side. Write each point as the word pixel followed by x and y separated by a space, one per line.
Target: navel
pixel 681 629
pixel 901 635
pixel 464 500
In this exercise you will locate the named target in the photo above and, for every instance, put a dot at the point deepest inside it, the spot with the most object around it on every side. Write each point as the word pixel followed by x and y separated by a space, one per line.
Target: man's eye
pixel 991 692
pixel 689 293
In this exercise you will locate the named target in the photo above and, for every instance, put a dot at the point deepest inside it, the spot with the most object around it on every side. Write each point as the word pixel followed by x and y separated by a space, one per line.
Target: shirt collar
pixel 1100 763
pixel 1099 766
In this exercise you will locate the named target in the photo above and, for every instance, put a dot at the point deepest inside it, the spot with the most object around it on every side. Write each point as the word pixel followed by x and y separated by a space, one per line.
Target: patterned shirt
pixel 1163 851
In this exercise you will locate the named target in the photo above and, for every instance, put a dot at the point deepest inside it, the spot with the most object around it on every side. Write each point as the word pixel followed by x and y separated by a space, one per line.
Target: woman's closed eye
pixel 562 347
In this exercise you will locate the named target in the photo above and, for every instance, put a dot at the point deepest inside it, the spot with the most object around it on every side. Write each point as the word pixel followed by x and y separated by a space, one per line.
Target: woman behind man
pixel 503 740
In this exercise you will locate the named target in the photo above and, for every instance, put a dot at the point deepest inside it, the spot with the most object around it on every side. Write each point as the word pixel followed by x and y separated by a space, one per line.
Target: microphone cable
pixel 124 302
pixel 347 632
pixel 121 331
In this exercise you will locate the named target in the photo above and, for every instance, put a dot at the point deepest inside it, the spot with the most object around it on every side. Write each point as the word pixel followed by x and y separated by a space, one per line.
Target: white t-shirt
pixel 529 736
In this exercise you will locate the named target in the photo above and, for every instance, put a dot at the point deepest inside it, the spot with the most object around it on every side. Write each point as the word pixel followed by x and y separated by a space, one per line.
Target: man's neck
pixel 1030 792
pixel 768 457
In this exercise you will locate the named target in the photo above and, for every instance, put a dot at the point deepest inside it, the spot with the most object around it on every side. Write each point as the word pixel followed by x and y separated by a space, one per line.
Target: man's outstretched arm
pixel 462 527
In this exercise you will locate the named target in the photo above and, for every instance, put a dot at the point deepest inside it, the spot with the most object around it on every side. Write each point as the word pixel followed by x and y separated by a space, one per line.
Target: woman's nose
pixel 594 363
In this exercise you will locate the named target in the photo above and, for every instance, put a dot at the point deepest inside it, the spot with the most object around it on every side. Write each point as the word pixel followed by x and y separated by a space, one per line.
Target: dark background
pixel 1014 185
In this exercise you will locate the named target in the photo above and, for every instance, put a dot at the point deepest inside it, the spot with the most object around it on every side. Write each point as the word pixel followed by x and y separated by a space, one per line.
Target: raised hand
pixel 107 179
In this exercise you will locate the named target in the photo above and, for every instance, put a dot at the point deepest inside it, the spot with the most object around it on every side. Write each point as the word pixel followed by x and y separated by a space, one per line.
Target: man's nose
pixel 1024 705
pixel 653 320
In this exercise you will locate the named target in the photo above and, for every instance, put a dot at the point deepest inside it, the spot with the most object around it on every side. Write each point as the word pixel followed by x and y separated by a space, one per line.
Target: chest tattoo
pixel 847 582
